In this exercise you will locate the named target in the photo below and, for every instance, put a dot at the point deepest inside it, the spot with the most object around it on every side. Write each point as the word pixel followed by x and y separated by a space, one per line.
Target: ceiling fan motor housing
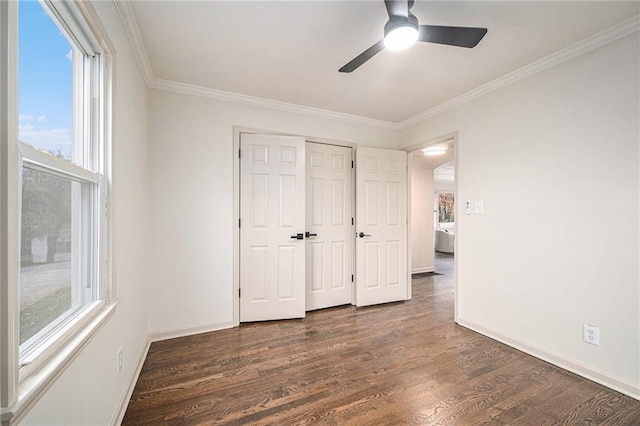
pixel 400 21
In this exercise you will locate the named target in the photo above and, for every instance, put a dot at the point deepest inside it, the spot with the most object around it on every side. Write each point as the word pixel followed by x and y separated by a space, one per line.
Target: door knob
pixel 298 236
pixel 309 234
pixel 362 235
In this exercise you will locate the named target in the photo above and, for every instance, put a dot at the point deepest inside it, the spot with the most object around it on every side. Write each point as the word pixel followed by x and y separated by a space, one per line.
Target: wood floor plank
pixel 401 363
pixel 603 408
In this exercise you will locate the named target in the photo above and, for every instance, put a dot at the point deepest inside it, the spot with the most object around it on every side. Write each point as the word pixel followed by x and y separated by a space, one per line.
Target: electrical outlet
pixel 591 334
pixel 119 360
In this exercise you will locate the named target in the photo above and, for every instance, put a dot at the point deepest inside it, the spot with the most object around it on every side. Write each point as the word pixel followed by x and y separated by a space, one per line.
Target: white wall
pixel 422 253
pixel 543 259
pixel 444 187
pixel 192 156
pixel 89 391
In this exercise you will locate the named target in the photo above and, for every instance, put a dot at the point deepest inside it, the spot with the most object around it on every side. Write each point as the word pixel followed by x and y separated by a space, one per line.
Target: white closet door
pixel 381 226
pixel 272 205
pixel 329 214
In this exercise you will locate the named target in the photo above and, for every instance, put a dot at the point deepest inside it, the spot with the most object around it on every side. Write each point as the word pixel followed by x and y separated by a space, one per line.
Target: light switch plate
pixel 479 207
pixel 467 207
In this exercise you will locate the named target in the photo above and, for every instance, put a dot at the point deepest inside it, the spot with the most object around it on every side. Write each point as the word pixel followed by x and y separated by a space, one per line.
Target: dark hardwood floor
pixel 401 363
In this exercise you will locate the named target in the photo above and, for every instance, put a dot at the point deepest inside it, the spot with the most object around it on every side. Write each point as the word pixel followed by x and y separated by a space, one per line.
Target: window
pixel 62 186
pixel 56 275
pixel 60 252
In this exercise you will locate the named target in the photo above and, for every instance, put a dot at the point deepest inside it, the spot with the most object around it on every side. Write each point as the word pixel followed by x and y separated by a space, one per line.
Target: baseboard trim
pixel 126 396
pixel 189 331
pixel 422 270
pixel 561 361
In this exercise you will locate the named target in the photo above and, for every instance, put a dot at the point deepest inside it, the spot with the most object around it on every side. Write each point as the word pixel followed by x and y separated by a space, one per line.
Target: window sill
pixel 38 382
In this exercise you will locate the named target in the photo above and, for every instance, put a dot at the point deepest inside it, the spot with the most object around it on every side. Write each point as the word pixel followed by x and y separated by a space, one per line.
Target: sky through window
pixel 45 82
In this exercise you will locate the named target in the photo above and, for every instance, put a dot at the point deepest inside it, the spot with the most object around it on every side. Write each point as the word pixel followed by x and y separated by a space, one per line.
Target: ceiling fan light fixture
pixel 435 150
pixel 401 37
pixel 402 31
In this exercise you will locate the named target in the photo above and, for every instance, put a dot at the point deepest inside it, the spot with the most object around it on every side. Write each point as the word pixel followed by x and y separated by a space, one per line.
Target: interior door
pixel 381 226
pixel 272 248
pixel 329 223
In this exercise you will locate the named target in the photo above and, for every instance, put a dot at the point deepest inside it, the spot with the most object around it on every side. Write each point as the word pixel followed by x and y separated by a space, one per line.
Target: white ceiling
pixel 291 51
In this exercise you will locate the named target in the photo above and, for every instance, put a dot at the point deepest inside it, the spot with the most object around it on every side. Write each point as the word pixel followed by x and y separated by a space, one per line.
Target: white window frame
pixel 24 381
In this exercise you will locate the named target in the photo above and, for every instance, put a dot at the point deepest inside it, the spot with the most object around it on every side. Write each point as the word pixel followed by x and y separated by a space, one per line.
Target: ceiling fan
pixel 402 30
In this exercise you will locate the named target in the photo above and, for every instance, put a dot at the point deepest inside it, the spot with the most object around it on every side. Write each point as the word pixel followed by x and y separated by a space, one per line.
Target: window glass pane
pixel 45 76
pixel 50 251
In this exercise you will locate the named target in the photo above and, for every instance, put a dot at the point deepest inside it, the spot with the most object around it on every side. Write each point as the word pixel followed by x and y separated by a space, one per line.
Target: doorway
pixel 433 171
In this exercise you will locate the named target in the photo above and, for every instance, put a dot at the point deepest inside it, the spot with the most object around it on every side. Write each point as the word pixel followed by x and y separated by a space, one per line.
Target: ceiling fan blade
pixel 397 8
pixel 363 57
pixel 452 36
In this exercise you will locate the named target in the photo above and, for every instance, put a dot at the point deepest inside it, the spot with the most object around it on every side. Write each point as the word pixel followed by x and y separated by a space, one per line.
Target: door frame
pixel 237 131
pixel 453 136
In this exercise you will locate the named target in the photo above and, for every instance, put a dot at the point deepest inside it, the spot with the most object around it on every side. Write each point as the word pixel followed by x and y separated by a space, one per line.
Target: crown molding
pixel 133 33
pixel 600 39
pixel 130 25
pixel 221 95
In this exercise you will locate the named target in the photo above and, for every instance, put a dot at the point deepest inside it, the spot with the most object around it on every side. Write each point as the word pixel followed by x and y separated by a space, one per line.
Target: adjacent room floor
pixel 400 363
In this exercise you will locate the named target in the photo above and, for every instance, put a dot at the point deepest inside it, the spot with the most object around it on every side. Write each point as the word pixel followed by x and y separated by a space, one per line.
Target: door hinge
pixel 239 155
pixel 351 277
pixel 239 292
pixel 238 222
pixel 352 164
pixel 352 222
